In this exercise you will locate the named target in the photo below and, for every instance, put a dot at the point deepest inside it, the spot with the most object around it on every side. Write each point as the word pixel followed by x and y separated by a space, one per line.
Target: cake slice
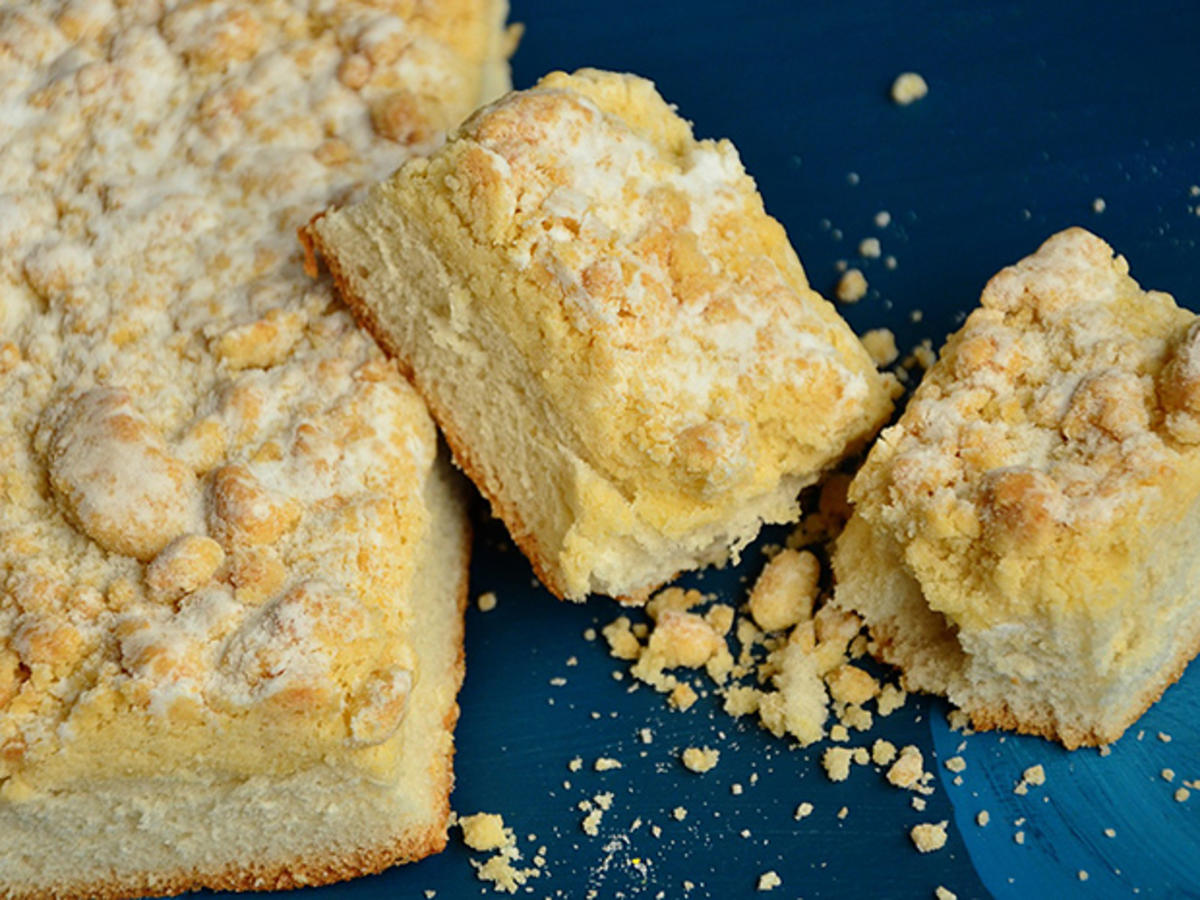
pixel 1023 539
pixel 619 344
pixel 234 557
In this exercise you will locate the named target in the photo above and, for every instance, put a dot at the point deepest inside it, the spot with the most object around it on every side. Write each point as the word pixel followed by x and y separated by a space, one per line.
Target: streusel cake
pixel 619 344
pixel 233 559
pixel 1023 539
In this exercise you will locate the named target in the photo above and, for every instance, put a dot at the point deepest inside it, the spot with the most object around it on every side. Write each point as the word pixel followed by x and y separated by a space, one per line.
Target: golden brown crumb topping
pixel 1066 402
pixel 701 358
pixel 210 477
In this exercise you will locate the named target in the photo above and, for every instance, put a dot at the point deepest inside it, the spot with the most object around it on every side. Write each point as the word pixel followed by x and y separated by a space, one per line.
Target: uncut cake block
pixel 234 559
pixel 619 344
pixel 1024 537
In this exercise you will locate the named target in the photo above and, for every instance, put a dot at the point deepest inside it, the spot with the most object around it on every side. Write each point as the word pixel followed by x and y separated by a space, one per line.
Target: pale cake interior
pixel 620 345
pixel 1021 537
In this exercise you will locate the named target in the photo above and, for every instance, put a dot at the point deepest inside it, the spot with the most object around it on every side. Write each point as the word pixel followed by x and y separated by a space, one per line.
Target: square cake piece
pixel 234 561
pixel 1024 538
pixel 618 342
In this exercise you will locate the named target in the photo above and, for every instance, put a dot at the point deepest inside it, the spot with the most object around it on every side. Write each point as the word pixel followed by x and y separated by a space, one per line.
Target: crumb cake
pixel 233 558
pixel 1023 539
pixel 618 342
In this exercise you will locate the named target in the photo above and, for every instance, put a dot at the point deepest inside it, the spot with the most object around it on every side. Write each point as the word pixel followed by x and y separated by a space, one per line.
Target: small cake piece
pixel 619 343
pixel 1023 539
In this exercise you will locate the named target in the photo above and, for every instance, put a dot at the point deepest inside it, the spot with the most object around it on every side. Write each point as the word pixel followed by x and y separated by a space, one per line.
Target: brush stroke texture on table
pixel 1034 112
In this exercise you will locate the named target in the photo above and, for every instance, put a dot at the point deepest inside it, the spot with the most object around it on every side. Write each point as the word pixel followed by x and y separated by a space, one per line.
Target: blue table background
pixel 1034 111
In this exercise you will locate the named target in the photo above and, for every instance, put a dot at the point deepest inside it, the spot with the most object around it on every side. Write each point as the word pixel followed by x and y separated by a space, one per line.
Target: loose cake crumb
pixel 928 837
pixel 606 764
pixel 850 684
pixel 597 807
pixel 1110 832
pixel 679 813
pixel 700 760
pixel 487 601
pixel 852 286
pixel 575 764
pixel 836 762
pixel 843 812
pixel 786 590
pixel 906 771
pixel 621 642
pixel 682 696
pixel 890 699
pixel 591 822
pixel 881 346
pixel 1098 205
pixel 1019 837
pixel 1034 776
pixel 908 88
pixel 485 831
pixel 839 733
pixel 918 803
pixel 959 721
pixel 1181 794
pixel 504 876
pixel 803 811
pixel 956 764
pixel 869 248
pixel 883 219
pixel 883 752
pixel 768 881
pixel 735 789
pixel 942 893
pixel 922 355
pixel 1083 875
pixel 982 818
pixel 1168 774
pixel 646 735
pixel 1164 737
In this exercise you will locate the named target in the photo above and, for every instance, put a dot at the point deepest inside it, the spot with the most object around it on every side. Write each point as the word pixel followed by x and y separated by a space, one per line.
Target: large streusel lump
pixel 619 343
pixel 232 559
pixel 1023 539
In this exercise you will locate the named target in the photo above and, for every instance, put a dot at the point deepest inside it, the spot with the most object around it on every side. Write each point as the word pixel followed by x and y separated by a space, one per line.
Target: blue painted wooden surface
pixel 1035 110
